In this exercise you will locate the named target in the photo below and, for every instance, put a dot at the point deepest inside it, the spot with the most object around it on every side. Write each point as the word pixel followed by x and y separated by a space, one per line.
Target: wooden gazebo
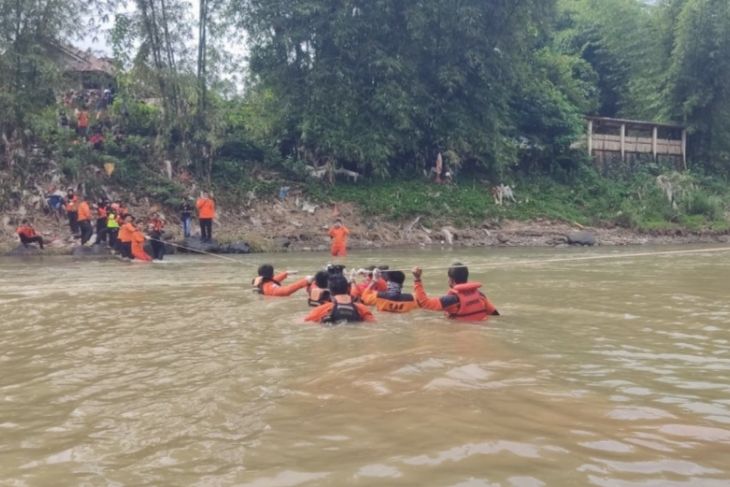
pixel 611 136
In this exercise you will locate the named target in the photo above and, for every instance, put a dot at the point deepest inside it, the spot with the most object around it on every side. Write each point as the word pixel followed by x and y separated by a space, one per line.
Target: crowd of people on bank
pixel 110 223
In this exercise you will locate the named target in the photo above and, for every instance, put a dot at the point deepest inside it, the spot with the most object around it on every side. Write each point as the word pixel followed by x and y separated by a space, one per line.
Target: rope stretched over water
pixel 195 251
pixel 487 266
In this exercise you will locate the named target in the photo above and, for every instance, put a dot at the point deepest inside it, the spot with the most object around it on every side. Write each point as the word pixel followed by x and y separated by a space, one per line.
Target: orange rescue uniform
pixel 339 240
pixel 274 287
pixel 403 303
pixel 138 246
pixel 320 314
pixel 464 302
pixel 26 231
pixel 126 232
pixel 84 211
pixel 206 208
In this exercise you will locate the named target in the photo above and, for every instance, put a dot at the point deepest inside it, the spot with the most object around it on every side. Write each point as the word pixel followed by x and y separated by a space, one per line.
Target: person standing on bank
pixel 206 214
pixel 338 235
pixel 156 231
pixel 186 217
pixel 84 215
pixel 72 213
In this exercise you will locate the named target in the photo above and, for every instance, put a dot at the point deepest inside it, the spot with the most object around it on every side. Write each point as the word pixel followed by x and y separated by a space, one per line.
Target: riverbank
pixel 297 224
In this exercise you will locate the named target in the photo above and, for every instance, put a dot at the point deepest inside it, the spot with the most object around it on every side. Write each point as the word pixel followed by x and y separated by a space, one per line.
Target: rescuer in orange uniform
pixel 125 236
pixel 464 301
pixel 137 247
pixel 318 292
pixel 206 214
pixel 392 300
pixel 338 235
pixel 269 284
pixel 342 308
pixel 380 283
pixel 28 235
pixel 84 216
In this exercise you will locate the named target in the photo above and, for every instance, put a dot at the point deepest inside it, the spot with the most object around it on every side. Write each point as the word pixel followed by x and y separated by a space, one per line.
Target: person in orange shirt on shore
pixel 137 247
pixel 392 300
pixel 269 284
pixel 338 235
pixel 28 235
pixel 341 309
pixel 464 301
pixel 84 220
pixel 206 214
pixel 125 236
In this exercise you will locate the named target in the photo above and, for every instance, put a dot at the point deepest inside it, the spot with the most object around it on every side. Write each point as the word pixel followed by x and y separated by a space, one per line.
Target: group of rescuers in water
pixel 334 297
pixel 337 299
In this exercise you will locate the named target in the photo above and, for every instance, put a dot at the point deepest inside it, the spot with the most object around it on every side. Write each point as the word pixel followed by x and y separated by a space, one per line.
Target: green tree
pixel 382 85
pixel 698 92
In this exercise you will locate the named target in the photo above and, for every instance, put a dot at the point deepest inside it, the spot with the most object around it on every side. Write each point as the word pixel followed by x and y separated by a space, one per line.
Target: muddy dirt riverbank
pixel 297 225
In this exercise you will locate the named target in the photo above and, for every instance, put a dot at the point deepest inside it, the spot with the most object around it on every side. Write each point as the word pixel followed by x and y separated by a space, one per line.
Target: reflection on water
pixel 607 372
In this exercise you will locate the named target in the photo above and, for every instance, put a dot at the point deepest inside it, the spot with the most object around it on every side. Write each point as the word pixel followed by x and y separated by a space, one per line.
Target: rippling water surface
pixel 603 372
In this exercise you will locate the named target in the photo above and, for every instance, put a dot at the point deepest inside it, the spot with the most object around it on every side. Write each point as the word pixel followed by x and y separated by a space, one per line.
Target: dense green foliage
pixel 499 87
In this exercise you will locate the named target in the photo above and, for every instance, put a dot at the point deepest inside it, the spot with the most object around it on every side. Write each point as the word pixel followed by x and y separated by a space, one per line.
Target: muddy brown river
pixel 607 372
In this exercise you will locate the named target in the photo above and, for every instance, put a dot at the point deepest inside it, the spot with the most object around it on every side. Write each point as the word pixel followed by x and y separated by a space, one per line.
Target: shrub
pixel 701 203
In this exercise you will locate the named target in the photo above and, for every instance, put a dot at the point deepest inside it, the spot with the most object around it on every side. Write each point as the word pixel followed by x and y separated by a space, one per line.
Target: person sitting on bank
pixel 342 309
pixel 392 300
pixel 28 235
pixel 318 292
pixel 269 284
pixel 464 301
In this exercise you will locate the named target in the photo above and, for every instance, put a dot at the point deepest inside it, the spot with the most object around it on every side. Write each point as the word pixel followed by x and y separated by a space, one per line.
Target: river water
pixel 600 372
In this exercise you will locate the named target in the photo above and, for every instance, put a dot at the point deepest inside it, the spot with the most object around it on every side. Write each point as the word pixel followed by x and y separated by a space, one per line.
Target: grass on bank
pixel 637 202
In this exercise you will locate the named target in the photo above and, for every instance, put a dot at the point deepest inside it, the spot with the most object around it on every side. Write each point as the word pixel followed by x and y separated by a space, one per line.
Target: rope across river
pixel 492 265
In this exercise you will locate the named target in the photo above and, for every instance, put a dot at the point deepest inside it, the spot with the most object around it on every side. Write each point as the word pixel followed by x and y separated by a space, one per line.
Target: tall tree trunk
pixel 202 58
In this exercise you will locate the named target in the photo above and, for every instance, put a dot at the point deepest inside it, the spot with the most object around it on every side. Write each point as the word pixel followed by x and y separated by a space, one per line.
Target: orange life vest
pixel 341 312
pixel 26 231
pixel 71 204
pixel 259 282
pixel 473 305
pixel 318 296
